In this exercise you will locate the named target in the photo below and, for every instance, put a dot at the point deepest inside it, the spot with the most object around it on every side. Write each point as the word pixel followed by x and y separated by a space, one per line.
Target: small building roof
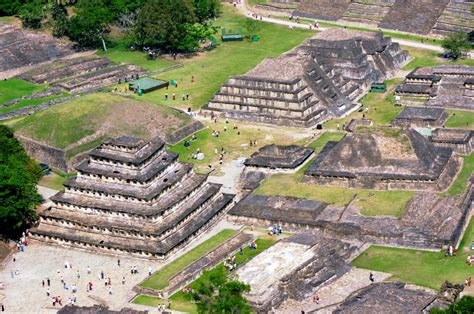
pixel 420 113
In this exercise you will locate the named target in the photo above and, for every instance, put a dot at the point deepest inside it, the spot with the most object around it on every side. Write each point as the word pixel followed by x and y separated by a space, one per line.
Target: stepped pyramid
pixel 134 197
pixel 324 77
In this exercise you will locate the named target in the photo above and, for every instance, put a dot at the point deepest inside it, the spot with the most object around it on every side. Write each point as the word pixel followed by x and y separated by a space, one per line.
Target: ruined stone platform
pixel 388 297
pixel 294 267
pixel 444 86
pixel 460 141
pixel 380 160
pixel 428 222
pixel 82 74
pixel 323 77
pixel 279 157
pixel 22 50
pixel 422 117
pixel 132 197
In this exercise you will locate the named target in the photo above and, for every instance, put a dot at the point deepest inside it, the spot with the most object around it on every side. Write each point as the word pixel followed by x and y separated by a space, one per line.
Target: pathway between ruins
pixel 334 293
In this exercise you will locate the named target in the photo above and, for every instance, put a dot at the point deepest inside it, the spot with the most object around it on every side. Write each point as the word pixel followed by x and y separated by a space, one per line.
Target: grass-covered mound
pixel 82 123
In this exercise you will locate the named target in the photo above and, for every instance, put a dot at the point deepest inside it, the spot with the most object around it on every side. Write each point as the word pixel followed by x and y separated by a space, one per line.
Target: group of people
pixel 230 263
pixel 275 229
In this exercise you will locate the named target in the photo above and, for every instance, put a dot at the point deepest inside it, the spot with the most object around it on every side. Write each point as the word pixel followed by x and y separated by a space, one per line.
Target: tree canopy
pixel 456 44
pixel 18 177
pixel 219 294
pixel 465 305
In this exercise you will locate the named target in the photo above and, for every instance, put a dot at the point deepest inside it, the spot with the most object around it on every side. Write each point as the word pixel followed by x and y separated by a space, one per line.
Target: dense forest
pixel 168 25
pixel 18 177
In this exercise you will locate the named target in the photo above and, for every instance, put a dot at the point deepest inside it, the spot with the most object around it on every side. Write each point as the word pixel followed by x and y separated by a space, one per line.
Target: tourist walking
pixel 372 277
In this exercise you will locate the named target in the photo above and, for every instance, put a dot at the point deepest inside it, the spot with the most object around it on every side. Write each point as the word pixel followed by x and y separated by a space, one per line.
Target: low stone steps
pixel 210 260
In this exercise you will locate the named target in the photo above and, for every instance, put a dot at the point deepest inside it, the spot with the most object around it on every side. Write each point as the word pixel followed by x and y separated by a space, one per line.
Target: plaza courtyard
pixel 323 158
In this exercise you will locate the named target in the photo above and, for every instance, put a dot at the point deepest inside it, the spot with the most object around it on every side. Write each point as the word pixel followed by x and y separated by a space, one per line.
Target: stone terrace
pixel 379 161
pixel 22 50
pixel 82 74
pixel 324 77
pixel 132 197
pixel 414 16
pixel 367 11
pixel 445 86
pixel 278 157
pixel 461 141
pixel 387 297
pixel 330 10
pixel 420 117
pixel 456 17
pixel 293 268
pixel 429 221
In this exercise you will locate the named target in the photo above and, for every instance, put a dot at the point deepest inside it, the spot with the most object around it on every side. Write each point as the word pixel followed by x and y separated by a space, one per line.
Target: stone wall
pixel 54 157
pixel 184 132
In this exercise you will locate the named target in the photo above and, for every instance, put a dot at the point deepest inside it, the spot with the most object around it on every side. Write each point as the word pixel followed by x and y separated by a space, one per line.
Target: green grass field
pixel 98 115
pixel 183 302
pixel 159 280
pixel 213 68
pixel 429 269
pixel 371 202
pixel 460 119
pixel 428 58
pixel 15 88
pixel 123 55
pixel 459 185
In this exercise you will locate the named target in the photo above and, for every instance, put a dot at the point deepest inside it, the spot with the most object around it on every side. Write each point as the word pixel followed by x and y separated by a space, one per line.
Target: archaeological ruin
pixel 428 222
pixel 461 141
pixel 433 17
pixel 444 86
pixel 276 275
pixel 388 297
pixel 323 77
pixel 133 197
pixel 279 158
pixel 22 50
pixel 422 117
pixel 82 74
pixel 380 160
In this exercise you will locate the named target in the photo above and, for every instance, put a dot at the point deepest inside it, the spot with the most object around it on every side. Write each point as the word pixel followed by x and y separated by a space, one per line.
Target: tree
pixel 251 26
pixel 456 44
pixel 60 20
pixel 91 23
pixel 18 177
pixel 32 13
pixel 163 24
pixel 10 7
pixel 217 294
pixel 465 305
pixel 196 33
pixel 206 9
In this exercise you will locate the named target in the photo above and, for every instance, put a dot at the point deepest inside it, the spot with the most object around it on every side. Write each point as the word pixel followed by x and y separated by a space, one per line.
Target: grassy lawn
pixel 429 269
pixel 459 185
pixel 234 144
pixel 55 180
pixel 183 302
pixel 159 280
pixel 123 55
pixel 213 68
pixel 97 115
pixel 428 58
pixel 460 119
pixel 371 202
pixel 381 108
pixel 15 88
